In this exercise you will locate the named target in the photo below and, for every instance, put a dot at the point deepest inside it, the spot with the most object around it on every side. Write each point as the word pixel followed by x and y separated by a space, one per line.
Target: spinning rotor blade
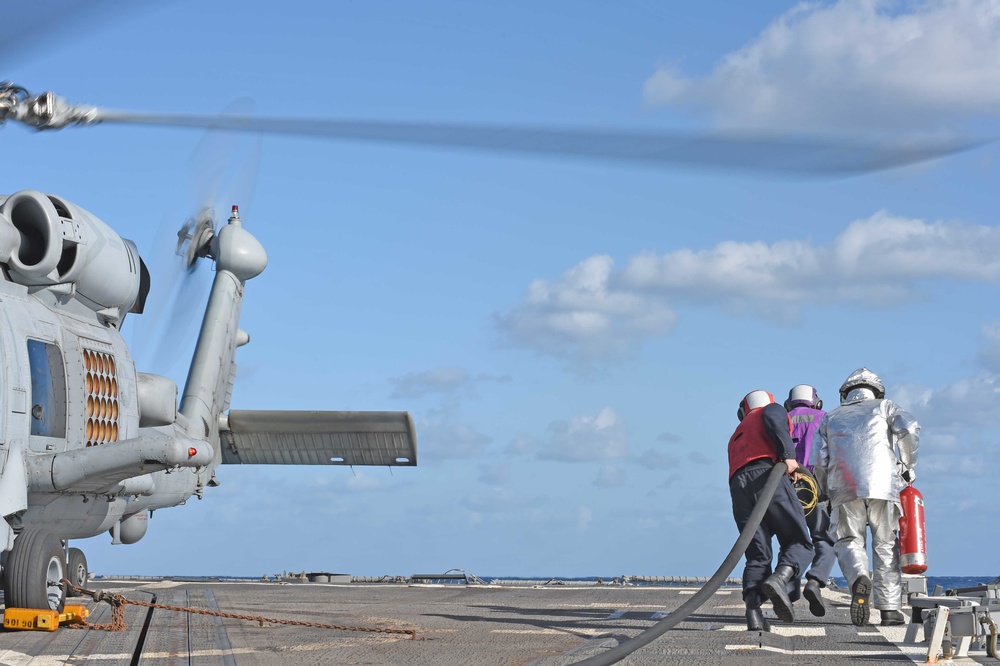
pixel 225 171
pixel 32 28
pixel 824 156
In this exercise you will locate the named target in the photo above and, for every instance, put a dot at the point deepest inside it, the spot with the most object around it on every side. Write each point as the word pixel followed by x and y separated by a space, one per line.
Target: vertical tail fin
pixel 238 258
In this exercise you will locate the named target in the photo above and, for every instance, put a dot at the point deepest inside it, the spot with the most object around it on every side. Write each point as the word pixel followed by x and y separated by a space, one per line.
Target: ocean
pixel 946 582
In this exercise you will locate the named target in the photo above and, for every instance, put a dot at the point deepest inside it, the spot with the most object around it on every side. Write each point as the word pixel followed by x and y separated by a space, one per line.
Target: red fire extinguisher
pixel 912 537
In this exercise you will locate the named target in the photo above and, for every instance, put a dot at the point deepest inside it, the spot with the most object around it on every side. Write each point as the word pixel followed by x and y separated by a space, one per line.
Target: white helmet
pixel 803 394
pixel 753 400
pixel 862 378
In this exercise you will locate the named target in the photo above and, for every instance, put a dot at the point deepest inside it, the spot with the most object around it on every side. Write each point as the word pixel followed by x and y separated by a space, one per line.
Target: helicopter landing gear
pixel 76 570
pixel 34 568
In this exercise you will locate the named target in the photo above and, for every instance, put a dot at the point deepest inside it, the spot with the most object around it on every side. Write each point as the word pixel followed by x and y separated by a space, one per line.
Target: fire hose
pixel 616 654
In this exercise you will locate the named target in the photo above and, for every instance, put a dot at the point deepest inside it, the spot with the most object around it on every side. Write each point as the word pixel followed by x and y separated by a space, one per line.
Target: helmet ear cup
pixel 819 404
pixel 740 413
pixel 787 405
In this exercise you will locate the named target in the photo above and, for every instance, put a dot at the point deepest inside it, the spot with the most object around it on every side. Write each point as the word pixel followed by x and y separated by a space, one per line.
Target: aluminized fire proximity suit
pixel 865 445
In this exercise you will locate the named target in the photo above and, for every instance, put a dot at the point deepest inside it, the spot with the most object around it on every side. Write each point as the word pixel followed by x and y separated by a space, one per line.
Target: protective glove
pixel 909 475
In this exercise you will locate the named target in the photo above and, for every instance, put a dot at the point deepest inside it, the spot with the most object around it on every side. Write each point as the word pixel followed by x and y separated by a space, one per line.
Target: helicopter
pixel 91 444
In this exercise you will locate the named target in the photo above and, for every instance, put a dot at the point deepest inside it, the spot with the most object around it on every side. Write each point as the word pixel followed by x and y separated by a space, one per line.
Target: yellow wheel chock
pixel 33 619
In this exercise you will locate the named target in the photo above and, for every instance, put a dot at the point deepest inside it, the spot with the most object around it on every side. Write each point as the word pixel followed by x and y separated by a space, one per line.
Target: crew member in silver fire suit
pixel 762 439
pixel 867 452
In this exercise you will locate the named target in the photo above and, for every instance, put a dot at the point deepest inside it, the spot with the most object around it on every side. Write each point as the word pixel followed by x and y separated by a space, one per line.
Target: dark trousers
pixel 783 518
pixel 821 530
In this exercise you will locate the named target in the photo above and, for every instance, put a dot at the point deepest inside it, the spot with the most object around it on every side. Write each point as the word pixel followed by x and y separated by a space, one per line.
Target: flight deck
pixel 536 624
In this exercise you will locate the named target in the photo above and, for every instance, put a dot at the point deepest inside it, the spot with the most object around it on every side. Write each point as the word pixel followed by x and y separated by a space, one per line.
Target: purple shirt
pixel 805 421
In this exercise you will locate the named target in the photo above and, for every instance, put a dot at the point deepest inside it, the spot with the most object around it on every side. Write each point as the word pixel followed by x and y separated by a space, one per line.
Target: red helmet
pixel 753 400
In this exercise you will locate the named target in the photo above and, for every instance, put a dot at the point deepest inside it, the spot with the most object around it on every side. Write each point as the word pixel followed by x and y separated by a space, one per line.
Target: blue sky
pixel 572 337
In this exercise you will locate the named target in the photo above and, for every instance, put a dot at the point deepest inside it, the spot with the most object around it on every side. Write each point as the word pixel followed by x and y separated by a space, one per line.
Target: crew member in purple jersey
pixel 805 410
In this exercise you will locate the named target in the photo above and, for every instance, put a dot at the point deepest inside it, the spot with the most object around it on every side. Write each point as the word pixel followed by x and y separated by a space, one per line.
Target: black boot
pixel 861 590
pixel 756 621
pixel 814 596
pixel 775 589
pixel 890 618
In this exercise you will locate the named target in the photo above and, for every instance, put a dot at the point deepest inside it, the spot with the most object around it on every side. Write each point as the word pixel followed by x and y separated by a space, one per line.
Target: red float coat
pixel 760 435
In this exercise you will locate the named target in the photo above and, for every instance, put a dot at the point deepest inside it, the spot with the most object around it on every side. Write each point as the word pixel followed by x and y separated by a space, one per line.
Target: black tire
pixel 76 570
pixel 34 568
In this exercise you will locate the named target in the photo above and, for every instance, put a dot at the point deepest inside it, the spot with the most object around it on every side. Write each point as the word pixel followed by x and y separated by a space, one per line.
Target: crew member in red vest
pixel 762 439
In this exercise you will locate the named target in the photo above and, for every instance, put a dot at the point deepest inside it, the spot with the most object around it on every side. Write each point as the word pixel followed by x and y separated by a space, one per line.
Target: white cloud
pixel 853 64
pixel 872 259
pixel 959 438
pixel 669 437
pixel 438 380
pixel 444 440
pixel 584 312
pixel 989 345
pixel 610 476
pixel 494 474
pixel 447 380
pixel 522 444
pixel 502 501
pixel 699 458
pixel 966 402
pixel 596 313
pixel 443 434
pixel 441 431
pixel 654 459
pixel 361 482
pixel 587 438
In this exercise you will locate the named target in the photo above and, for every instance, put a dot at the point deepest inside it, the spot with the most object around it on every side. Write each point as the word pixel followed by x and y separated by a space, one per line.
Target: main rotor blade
pixel 803 156
pixel 30 28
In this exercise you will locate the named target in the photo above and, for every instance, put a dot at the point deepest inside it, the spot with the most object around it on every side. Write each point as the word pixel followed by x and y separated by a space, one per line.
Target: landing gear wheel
pixel 76 571
pixel 34 568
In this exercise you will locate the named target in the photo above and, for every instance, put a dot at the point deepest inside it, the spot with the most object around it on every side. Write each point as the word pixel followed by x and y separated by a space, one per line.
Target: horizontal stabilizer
pixel 319 438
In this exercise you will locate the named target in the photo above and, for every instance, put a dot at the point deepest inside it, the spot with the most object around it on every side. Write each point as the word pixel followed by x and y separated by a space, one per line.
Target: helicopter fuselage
pixel 71 384
pixel 79 453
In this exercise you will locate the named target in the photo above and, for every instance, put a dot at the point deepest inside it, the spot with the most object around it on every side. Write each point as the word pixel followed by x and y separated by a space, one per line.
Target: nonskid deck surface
pixel 546 625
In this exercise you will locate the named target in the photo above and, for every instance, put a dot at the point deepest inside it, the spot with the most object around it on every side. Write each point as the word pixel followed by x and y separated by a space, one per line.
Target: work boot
pixel 756 621
pixel 814 596
pixel 775 588
pixel 861 590
pixel 892 618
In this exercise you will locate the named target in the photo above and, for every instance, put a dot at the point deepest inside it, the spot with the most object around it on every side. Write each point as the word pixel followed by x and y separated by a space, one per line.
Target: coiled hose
pixel 616 654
